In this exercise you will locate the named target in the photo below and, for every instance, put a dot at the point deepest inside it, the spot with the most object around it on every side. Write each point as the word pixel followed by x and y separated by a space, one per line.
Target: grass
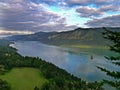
pixel 24 78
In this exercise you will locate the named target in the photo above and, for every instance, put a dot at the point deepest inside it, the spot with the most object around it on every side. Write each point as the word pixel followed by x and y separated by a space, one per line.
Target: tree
pixel 36 88
pixel 113 36
pixel 4 85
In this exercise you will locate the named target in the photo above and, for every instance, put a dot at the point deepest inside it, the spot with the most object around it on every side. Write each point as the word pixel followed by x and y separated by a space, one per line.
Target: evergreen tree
pixel 4 85
pixel 115 46
pixel 36 88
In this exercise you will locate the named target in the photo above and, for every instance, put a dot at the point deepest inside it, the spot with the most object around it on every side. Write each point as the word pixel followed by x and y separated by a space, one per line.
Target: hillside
pixel 79 36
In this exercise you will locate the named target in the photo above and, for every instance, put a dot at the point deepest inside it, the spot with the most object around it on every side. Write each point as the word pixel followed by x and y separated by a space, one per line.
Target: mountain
pixel 79 36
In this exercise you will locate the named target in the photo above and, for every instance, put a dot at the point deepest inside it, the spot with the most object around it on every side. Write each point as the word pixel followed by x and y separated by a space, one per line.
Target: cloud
pixel 112 8
pixel 49 2
pixel 91 2
pixel 78 2
pixel 53 15
pixel 3 32
pixel 110 21
pixel 30 16
pixel 88 12
pixel 95 8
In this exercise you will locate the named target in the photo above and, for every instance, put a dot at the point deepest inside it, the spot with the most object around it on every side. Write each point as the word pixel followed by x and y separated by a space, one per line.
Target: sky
pixel 29 16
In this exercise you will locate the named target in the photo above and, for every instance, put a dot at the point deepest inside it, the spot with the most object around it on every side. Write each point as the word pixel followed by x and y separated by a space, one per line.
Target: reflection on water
pixel 75 61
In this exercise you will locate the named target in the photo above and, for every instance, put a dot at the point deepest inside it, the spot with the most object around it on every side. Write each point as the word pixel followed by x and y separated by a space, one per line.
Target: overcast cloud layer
pixel 57 15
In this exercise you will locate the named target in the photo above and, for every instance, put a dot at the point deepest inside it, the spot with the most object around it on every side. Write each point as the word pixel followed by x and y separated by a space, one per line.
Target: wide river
pixel 80 62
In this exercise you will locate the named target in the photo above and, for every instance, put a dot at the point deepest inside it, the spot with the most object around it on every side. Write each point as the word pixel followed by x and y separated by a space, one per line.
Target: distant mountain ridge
pixel 79 36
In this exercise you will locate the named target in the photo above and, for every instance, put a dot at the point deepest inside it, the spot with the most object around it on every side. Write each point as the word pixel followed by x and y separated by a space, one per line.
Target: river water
pixel 80 62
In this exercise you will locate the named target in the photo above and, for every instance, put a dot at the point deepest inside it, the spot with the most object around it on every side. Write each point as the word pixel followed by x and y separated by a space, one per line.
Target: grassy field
pixel 24 78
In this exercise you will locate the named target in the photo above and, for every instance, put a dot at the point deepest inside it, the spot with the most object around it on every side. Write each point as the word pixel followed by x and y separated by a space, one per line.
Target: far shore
pixel 86 46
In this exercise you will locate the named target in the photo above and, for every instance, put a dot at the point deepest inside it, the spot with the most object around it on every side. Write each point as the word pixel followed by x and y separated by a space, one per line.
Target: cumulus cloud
pixel 45 15
pixel 112 8
pixel 95 8
pixel 19 15
pixel 88 12
pixel 109 21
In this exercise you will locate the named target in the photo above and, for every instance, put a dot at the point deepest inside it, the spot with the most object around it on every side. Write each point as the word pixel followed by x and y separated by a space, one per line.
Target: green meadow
pixel 24 78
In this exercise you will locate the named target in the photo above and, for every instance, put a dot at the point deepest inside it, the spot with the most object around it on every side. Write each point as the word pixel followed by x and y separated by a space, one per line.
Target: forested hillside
pixel 79 36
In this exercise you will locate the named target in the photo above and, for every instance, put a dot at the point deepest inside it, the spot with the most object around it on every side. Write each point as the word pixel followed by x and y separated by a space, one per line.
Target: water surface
pixel 77 61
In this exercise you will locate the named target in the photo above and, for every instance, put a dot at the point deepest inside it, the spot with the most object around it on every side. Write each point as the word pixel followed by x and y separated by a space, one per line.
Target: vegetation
pixel 86 46
pixel 80 36
pixel 4 85
pixel 22 78
pixel 115 38
pixel 57 79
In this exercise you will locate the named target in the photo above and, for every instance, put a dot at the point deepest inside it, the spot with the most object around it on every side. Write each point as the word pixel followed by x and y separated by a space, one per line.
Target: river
pixel 80 62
